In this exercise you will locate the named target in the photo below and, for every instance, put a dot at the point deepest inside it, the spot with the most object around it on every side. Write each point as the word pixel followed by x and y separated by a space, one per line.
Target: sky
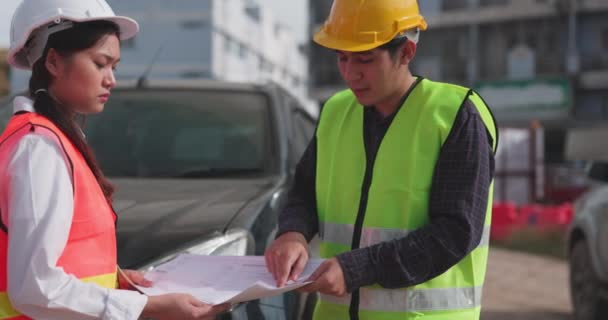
pixel 6 11
pixel 290 12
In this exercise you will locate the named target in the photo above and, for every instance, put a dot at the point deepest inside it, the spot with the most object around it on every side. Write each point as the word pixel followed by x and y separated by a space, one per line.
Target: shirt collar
pixel 22 103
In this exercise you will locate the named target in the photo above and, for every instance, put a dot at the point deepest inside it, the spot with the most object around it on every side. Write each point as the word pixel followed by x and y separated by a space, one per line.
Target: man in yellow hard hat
pixel 397 180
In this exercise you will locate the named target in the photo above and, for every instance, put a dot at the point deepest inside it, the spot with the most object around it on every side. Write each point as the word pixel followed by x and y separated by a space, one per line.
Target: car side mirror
pixel 598 171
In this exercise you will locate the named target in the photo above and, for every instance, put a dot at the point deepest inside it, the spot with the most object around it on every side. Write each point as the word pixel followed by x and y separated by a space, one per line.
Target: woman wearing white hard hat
pixel 58 243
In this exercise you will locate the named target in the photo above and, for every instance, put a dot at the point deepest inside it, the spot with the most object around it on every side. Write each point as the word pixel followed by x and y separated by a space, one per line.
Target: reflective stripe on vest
pixel 7 311
pixel 343 233
pixel 90 251
pixel 397 199
pixel 412 300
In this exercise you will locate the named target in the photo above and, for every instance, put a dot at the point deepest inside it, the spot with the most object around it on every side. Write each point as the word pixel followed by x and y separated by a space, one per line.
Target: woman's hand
pixel 128 278
pixel 181 306
pixel 170 306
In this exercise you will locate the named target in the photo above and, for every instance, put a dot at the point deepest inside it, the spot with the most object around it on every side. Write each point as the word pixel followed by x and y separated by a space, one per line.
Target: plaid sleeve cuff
pixel 294 226
pixel 358 268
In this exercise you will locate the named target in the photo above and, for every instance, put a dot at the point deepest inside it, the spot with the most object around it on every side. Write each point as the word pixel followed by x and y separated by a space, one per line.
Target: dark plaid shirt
pixel 457 208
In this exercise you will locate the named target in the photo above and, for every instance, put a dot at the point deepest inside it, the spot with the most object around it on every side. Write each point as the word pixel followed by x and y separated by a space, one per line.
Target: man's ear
pixel 53 62
pixel 408 52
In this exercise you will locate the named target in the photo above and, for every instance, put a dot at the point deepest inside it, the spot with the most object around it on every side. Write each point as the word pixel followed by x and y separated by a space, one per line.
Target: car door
pixel 601 218
pixel 598 206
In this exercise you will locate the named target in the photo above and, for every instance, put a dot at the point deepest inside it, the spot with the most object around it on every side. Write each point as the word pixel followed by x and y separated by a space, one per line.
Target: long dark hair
pixel 80 37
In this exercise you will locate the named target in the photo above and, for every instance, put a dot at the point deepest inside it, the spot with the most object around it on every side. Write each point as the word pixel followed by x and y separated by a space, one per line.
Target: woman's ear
pixel 53 63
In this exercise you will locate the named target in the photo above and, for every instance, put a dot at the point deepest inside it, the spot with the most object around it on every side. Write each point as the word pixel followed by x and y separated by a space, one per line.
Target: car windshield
pixel 185 134
pixel 180 134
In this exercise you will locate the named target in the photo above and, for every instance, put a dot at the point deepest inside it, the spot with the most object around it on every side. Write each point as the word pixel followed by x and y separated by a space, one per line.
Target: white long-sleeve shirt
pixel 40 208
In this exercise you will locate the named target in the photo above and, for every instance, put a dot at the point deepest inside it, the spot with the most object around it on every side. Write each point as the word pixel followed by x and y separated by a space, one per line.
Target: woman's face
pixel 82 81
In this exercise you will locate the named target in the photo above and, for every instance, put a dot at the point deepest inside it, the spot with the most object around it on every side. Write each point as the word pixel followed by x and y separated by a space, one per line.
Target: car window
pixel 306 126
pixel 302 127
pixel 300 137
pixel 182 134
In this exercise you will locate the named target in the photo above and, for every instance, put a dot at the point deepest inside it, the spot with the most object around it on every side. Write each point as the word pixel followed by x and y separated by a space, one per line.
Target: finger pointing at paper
pixel 286 257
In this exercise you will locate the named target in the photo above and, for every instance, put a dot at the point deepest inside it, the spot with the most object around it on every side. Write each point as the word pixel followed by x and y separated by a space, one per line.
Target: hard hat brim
pixel 128 28
pixel 331 42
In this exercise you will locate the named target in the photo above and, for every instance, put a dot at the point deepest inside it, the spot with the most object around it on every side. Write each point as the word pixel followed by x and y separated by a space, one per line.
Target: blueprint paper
pixel 220 279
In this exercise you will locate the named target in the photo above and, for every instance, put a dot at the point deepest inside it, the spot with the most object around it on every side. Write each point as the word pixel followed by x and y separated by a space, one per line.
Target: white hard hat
pixel 35 20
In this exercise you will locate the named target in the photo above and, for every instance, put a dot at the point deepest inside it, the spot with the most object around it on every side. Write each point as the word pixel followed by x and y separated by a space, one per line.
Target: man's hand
pixel 286 257
pixel 327 279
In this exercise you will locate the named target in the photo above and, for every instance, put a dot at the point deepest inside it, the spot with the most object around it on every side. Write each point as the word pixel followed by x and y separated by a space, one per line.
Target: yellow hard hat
pixel 360 25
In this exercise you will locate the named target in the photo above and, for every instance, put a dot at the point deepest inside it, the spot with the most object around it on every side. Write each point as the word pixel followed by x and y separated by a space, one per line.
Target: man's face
pixel 373 76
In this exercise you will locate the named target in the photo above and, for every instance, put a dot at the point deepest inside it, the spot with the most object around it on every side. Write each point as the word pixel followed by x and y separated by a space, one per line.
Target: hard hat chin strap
pixel 37 42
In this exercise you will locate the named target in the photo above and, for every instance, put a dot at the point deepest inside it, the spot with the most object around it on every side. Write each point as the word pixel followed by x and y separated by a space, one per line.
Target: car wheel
pixel 585 286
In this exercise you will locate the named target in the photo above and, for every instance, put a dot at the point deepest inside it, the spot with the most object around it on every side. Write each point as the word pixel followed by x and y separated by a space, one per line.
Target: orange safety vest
pixel 90 252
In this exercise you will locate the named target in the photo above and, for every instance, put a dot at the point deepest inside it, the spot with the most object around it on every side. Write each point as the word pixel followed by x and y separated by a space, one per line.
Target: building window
pixel 487 3
pixel 242 51
pixel 231 46
pixel 253 11
pixel 192 24
pixel 226 44
pixel 265 65
pixel 604 39
pixel 454 5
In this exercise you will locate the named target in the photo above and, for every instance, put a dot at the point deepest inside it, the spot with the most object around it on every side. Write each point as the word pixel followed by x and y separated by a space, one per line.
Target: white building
pixel 232 40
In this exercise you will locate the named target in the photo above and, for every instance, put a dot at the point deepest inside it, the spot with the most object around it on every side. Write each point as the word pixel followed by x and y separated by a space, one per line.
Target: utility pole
pixel 473 59
pixel 572 58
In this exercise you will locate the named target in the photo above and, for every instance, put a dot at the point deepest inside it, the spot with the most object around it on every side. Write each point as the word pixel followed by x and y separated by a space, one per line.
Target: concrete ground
pixel 521 286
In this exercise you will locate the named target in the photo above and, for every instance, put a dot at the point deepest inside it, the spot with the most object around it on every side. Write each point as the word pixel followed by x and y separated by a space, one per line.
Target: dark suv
pixel 201 167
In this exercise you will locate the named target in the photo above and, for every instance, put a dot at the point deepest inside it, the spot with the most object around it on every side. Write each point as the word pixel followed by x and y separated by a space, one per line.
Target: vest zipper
pixel 367 182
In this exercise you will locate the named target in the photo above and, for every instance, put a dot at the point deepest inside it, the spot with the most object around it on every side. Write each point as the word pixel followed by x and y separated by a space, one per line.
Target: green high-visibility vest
pixel 398 199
